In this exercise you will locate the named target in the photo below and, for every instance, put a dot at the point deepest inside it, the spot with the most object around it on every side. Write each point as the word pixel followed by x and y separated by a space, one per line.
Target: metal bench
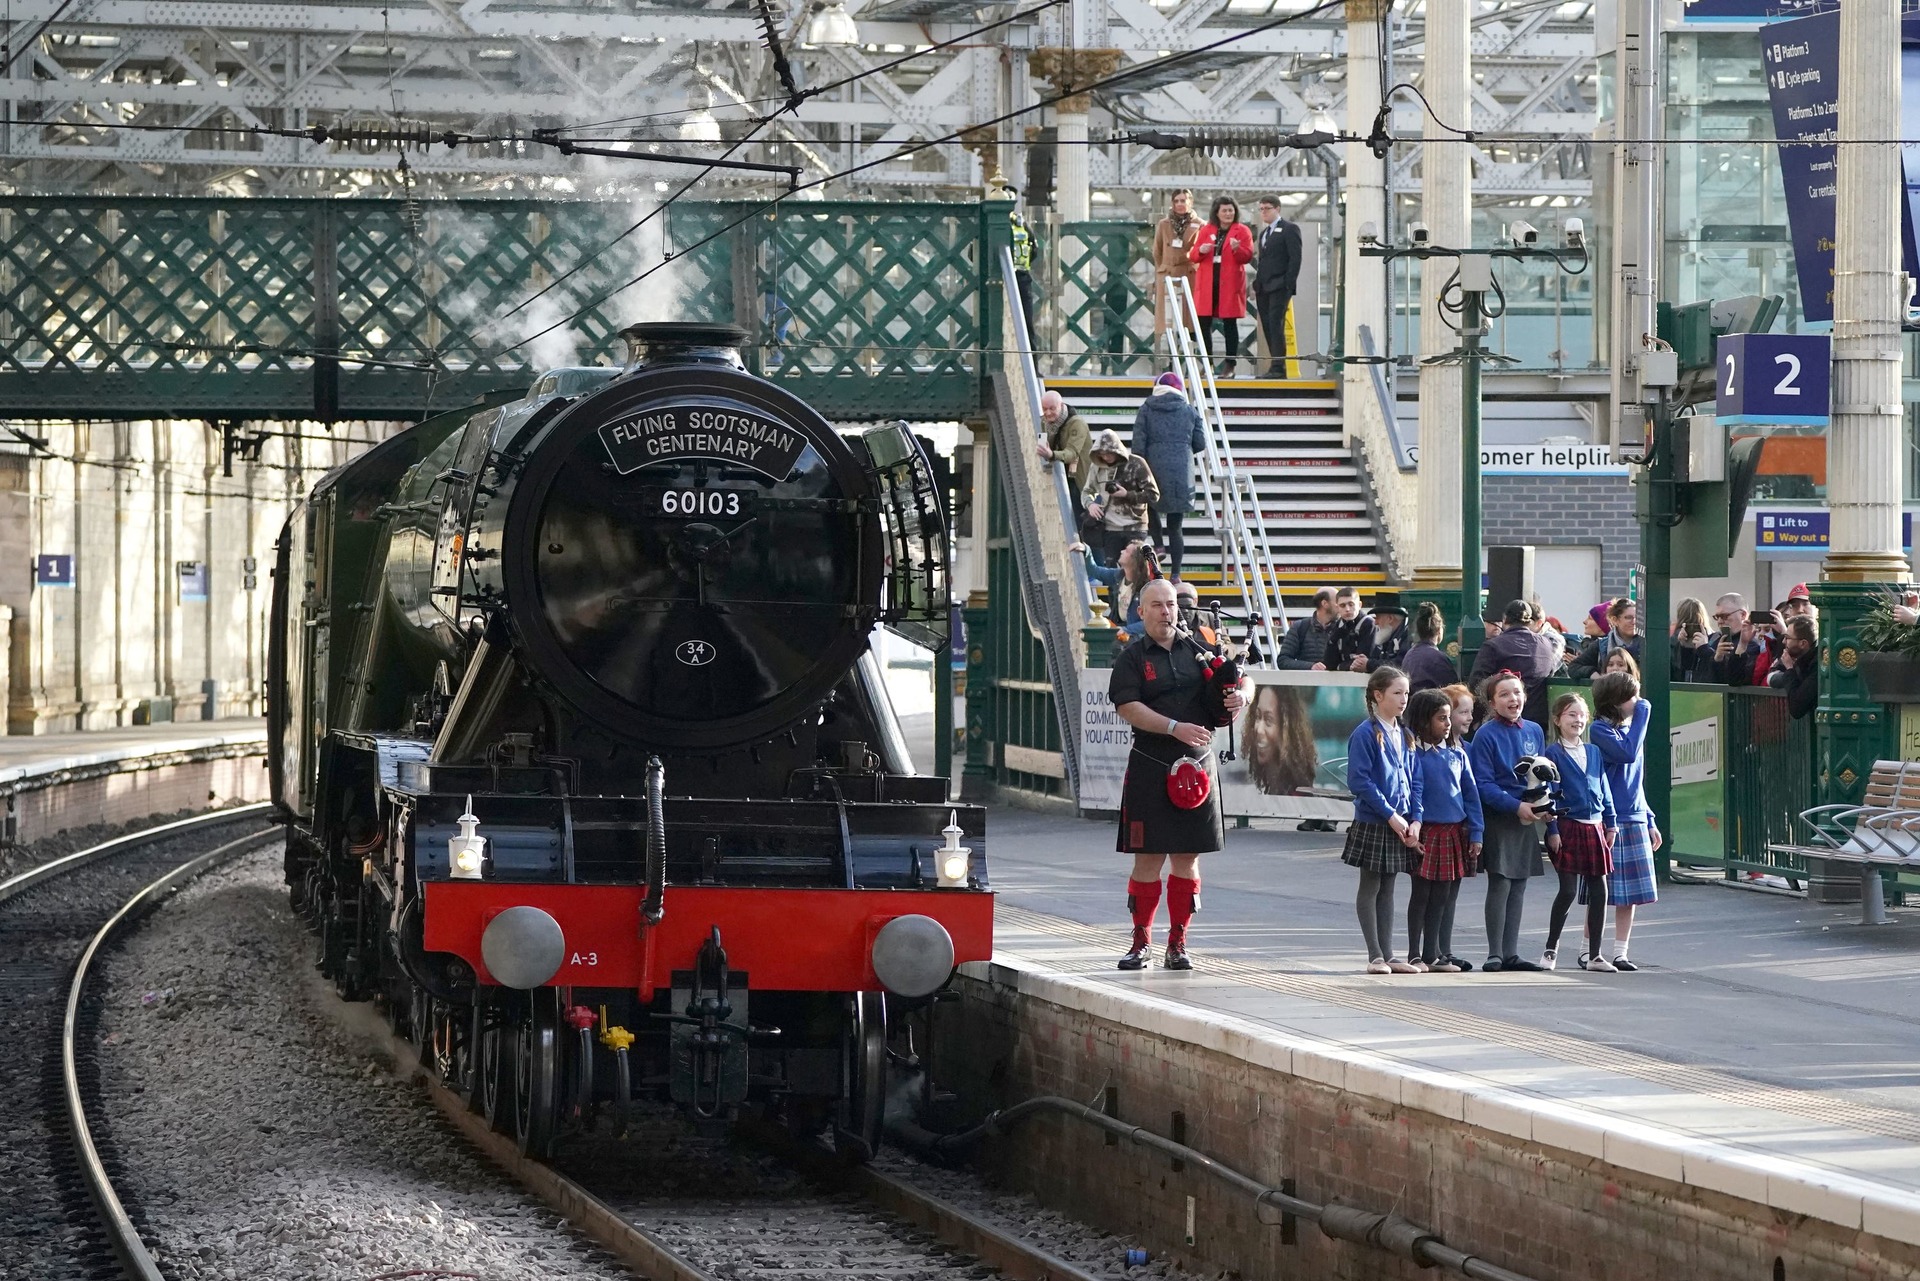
pixel 1882 831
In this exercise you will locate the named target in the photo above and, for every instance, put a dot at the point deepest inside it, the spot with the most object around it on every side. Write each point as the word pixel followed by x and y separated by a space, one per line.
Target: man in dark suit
pixel 1276 275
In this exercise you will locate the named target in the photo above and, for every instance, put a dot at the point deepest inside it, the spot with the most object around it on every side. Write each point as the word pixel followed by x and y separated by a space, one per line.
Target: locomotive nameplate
pixel 703 433
pixel 698 504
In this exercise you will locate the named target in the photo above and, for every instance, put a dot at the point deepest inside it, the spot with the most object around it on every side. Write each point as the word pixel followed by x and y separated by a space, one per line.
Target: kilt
pixel 1511 848
pixel 1150 823
pixel 1443 853
pixel 1632 882
pixel 1583 850
pixel 1372 847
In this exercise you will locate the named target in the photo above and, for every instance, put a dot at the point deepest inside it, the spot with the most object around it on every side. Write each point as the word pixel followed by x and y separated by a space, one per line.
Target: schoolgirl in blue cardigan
pixel 1384 839
pixel 1511 852
pixel 1620 732
pixel 1580 840
pixel 1446 805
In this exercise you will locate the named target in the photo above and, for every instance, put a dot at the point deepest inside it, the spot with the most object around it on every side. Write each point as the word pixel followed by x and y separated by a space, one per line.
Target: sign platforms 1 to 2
pixel 1778 380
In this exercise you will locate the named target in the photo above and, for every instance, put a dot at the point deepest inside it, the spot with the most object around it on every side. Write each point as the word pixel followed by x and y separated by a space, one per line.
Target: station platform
pixel 1767 1049
pixel 26 756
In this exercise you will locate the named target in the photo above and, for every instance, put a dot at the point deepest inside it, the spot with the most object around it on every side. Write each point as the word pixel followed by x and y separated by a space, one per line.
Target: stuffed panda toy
pixel 1537 776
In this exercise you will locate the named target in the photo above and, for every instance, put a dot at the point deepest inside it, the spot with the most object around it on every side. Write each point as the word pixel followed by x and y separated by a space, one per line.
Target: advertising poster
pixel 1290 739
pixel 1699 790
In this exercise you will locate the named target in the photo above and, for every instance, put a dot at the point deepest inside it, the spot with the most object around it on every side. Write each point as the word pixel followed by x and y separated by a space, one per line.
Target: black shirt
pixel 1171 683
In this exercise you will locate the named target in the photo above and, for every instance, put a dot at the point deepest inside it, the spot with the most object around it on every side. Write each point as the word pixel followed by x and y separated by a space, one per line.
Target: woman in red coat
pixel 1223 249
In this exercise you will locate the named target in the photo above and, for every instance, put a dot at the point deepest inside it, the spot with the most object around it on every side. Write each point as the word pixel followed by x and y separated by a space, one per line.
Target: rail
pixel 1373 427
pixel 1054 590
pixel 1230 498
pixel 125 1237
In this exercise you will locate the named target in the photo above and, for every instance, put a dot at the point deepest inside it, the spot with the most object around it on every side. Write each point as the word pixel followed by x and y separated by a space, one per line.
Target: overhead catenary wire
pixel 910 149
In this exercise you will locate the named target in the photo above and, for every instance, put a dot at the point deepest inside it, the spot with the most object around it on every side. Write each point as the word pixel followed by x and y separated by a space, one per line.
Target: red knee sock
pixel 1183 900
pixel 1143 900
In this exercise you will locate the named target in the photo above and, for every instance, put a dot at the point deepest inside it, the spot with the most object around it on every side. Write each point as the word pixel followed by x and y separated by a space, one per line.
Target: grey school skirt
pixel 1511 848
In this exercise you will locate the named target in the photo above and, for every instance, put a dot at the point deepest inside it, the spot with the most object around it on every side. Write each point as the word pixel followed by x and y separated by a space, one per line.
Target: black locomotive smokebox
pixel 691 554
pixel 654 341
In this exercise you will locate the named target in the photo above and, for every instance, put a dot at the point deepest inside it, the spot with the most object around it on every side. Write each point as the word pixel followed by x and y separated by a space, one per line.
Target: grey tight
pixel 1374 906
pixel 1506 895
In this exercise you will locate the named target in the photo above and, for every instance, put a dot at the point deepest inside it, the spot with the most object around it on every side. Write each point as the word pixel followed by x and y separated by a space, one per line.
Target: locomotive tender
pixel 587 768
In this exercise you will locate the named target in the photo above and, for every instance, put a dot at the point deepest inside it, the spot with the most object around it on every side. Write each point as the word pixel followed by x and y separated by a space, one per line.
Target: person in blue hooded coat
pixel 1167 432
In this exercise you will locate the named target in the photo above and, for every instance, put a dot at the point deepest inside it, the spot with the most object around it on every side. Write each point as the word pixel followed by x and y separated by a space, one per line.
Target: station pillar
pixel 1447 209
pixel 1866 443
pixel 1364 300
pixel 1066 70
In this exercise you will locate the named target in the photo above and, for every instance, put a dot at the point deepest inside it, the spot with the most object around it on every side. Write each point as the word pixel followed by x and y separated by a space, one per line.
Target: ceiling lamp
pixel 831 24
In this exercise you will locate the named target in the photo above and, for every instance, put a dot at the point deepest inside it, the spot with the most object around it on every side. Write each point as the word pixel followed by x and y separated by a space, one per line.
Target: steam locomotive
pixel 587 768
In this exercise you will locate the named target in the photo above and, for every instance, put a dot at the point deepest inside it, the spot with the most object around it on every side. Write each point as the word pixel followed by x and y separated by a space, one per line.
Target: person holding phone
pixel 1747 644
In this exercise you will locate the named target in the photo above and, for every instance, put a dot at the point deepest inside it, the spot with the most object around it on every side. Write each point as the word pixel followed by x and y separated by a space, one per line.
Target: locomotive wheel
pixel 863 1097
pixel 420 1014
pixel 473 1086
pixel 499 1073
pixel 536 1113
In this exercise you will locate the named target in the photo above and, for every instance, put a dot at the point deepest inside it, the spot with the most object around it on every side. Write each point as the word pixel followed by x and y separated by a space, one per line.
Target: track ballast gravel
pixel 46 1219
pixel 260 1138
pixel 260 1134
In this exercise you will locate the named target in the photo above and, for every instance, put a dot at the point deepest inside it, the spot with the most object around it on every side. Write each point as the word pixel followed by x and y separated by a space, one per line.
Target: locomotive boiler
pixel 587 768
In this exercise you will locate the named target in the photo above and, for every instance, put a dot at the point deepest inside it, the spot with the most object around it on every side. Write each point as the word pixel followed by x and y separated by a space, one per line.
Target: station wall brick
pixel 1541 1211
pixel 1560 511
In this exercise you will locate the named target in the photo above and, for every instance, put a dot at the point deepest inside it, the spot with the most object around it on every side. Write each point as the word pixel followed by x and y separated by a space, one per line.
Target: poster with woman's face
pixel 1292 742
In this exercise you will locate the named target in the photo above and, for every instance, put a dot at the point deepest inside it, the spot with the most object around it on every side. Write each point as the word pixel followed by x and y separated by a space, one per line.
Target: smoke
pixel 541 321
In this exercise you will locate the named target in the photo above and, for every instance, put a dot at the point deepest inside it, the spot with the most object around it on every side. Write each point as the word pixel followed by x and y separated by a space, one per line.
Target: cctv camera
pixel 1418 233
pixel 1369 233
pixel 1575 232
pixel 1523 233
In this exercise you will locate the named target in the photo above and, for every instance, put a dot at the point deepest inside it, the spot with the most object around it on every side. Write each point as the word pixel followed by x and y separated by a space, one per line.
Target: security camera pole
pixel 1462 304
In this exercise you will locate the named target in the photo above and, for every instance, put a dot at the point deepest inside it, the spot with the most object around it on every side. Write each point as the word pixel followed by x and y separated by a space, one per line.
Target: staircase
pixel 1287 435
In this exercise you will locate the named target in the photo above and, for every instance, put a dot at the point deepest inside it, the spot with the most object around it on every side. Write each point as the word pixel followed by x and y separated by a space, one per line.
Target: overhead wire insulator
pixel 1243 142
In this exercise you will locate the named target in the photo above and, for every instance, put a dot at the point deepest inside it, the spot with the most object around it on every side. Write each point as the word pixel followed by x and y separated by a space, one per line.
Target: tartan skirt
pixel 1373 847
pixel 1632 882
pixel 1583 850
pixel 1443 853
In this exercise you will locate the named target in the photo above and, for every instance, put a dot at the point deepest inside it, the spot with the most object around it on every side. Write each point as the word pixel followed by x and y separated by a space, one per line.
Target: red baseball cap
pixel 1799 592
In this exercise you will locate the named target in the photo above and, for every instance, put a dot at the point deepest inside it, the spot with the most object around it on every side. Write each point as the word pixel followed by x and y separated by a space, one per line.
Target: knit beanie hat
pixel 1599 615
pixel 1170 379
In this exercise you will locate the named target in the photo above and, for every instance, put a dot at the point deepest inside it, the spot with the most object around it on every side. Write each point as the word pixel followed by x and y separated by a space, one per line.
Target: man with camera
pixel 1797 670
pixel 1120 488
pixel 1744 651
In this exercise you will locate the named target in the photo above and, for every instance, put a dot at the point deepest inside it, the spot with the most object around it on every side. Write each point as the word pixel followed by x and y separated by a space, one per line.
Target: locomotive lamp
pixel 467 852
pixel 952 858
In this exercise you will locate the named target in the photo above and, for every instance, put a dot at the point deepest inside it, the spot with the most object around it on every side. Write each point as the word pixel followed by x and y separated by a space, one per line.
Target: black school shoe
pixel 1466 967
pixel 1135 960
pixel 1512 963
pixel 1625 966
pixel 1493 965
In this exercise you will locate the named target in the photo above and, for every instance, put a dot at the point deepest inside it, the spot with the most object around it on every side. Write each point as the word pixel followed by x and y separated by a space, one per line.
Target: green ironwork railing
pixel 132 307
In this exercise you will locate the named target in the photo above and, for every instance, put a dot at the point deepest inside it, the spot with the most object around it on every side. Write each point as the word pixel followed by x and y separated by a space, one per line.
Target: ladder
pixel 1228 495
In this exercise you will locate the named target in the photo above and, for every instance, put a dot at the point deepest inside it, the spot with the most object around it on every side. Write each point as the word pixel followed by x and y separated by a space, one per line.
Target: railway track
pixel 678 1208
pixel 53 916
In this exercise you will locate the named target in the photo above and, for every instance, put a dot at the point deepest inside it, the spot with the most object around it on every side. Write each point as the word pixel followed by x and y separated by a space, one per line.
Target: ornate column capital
pixel 985 143
pixel 1067 69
